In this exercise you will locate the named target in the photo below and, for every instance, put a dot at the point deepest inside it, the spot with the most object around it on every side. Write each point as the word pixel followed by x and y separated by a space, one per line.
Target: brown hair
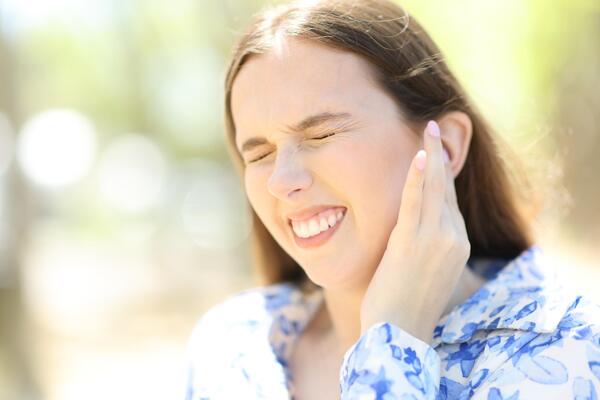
pixel 409 66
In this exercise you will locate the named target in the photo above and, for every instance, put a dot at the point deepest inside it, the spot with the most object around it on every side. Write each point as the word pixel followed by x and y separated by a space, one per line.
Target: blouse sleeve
pixel 388 360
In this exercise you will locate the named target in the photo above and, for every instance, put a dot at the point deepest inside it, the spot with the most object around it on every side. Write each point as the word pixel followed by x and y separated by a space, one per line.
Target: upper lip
pixel 308 212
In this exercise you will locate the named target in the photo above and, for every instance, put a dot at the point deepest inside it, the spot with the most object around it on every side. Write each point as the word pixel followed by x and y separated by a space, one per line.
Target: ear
pixel 456 130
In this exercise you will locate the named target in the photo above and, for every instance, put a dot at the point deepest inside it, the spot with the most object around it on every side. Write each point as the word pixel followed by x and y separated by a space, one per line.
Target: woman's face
pixel 359 168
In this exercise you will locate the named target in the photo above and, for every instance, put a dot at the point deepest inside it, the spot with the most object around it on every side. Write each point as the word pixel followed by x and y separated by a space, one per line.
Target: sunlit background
pixel 121 220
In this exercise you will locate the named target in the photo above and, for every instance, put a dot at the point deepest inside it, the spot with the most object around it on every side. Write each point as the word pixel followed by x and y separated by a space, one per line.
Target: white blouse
pixel 520 336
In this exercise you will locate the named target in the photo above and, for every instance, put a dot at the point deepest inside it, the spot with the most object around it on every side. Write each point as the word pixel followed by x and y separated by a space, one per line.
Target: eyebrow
pixel 309 122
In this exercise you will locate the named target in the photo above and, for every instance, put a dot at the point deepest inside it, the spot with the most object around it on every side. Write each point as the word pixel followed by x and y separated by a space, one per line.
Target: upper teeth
pixel 317 224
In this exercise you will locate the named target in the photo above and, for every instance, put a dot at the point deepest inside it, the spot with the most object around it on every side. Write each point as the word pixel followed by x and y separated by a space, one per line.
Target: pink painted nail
pixel 433 128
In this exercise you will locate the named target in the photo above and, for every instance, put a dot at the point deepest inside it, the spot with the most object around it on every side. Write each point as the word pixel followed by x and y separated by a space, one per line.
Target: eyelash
pixel 317 138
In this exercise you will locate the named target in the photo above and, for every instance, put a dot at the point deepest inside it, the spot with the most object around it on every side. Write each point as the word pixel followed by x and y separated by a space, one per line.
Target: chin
pixel 337 277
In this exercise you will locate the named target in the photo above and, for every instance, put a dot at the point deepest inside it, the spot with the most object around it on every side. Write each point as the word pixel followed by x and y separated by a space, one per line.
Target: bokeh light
pixel 132 174
pixel 56 148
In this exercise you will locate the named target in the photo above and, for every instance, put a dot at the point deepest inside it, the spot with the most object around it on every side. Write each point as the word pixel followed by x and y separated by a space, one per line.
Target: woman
pixel 395 257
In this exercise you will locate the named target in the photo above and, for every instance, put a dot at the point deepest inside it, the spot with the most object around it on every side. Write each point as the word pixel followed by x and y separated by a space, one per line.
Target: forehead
pixel 300 78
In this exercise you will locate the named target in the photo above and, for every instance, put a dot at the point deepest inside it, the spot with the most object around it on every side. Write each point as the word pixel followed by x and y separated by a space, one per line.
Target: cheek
pixel 373 177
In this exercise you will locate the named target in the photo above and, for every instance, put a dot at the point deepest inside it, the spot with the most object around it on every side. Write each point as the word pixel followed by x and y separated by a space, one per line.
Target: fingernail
pixel 433 128
pixel 420 160
pixel 445 156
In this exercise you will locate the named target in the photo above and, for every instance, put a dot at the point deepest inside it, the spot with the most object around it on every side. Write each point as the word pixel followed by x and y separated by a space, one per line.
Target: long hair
pixel 410 67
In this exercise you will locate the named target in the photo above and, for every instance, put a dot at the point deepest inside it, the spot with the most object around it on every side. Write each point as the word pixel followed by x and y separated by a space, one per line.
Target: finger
pixel 435 179
pixel 451 199
pixel 448 217
pixel 409 215
pixel 450 188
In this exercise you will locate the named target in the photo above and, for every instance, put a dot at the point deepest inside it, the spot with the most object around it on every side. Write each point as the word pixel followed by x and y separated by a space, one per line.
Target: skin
pixel 430 244
pixel 369 267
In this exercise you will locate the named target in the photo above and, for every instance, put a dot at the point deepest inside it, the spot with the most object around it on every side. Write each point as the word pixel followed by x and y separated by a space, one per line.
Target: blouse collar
pixel 523 295
pixel 520 294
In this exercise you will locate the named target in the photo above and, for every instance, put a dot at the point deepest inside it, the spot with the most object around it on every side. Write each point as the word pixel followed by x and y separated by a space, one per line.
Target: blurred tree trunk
pixel 16 377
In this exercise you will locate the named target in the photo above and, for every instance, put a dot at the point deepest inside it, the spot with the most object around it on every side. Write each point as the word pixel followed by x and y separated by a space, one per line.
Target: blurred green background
pixel 121 220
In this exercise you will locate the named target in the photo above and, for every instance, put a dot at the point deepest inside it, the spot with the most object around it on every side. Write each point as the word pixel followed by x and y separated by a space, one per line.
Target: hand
pixel 426 252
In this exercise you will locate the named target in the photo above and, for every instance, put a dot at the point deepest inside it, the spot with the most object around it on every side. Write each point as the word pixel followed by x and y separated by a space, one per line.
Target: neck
pixel 342 310
pixel 338 319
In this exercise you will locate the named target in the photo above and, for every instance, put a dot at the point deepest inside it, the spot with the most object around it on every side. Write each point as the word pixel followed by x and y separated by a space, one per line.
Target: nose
pixel 289 177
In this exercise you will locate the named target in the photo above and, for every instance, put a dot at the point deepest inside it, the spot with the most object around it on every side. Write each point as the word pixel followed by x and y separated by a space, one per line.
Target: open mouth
pixel 321 237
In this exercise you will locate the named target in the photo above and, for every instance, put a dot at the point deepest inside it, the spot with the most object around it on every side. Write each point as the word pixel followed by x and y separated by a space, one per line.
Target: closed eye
pixel 259 158
pixel 316 138
pixel 323 137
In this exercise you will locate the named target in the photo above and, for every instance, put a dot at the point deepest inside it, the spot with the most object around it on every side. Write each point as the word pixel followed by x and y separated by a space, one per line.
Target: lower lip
pixel 319 239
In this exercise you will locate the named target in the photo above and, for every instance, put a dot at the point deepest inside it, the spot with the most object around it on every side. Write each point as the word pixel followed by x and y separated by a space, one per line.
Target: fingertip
pixel 421 159
pixel 433 128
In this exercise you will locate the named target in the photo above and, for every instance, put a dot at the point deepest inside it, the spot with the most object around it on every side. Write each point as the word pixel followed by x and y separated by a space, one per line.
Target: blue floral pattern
pixel 520 336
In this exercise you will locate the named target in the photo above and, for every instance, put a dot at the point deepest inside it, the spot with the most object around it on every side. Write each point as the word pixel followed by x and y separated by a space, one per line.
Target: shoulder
pixel 561 363
pixel 562 360
pixel 576 340
pixel 558 323
pixel 524 334
pixel 230 340
pixel 245 309
pixel 236 345
pixel 581 320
